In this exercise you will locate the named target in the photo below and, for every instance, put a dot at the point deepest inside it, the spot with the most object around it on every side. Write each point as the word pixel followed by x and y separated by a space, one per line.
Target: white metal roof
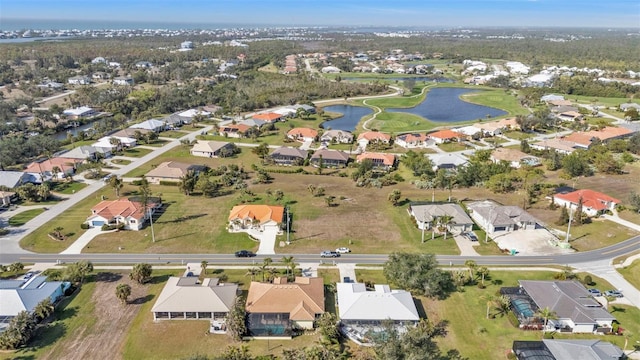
pixel 356 303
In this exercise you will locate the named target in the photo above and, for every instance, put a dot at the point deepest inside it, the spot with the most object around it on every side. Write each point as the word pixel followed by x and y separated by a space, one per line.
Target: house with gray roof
pixel 627 106
pixel 172 171
pixel 339 136
pixel 551 349
pixel 428 213
pixel 575 309
pixel 20 295
pixel 253 122
pixel 362 311
pixel 13 179
pixel 83 152
pixel 212 149
pixel 186 298
pixel 448 161
pixel 286 155
pixel 494 217
pixel 330 158
pixel 154 125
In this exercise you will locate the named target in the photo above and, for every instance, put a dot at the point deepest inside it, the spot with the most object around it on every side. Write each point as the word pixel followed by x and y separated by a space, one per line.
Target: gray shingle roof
pixel 290 151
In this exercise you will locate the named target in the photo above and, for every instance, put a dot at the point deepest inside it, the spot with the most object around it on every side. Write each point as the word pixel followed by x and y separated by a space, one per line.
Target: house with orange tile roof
pixel 122 211
pixel 275 309
pixel 234 130
pixel 257 217
pixel 580 140
pixel 514 157
pixel 64 167
pixel 593 202
pixel 444 136
pixel 412 140
pixel 302 134
pixel 380 160
pixel 559 145
pixel 584 139
pixel 268 117
pixel 493 128
pixel 373 136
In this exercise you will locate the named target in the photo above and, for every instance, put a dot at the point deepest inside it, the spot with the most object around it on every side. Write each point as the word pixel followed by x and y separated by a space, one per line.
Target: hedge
pixel 169 183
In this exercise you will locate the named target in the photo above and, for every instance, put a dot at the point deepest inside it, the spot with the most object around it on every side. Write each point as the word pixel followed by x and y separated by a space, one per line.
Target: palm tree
pixel 273 272
pixel 289 262
pixel 117 184
pixel 483 271
pixel 43 309
pixel 445 221
pixel 546 314
pixel 503 304
pixel 123 291
pixel 459 278
pixel 203 266
pixel 55 170
pixel 394 197
pixel 312 189
pixel 490 301
pixel 472 266
pixel 252 272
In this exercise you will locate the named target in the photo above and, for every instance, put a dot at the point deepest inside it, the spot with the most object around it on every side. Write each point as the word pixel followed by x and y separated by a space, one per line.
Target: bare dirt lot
pixel 104 337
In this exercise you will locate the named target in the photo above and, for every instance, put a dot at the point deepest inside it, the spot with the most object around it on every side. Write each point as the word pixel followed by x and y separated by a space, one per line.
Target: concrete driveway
pixel 529 242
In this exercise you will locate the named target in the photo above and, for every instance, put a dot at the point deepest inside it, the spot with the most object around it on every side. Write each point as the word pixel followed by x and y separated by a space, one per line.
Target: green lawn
pixel 67 187
pixel 136 152
pixel 159 142
pixel 518 135
pixel 121 161
pixel 393 122
pixel 174 134
pixel 23 217
pixel 497 99
pixel 600 101
pixel 598 234
pixel 452 146
pixel 632 273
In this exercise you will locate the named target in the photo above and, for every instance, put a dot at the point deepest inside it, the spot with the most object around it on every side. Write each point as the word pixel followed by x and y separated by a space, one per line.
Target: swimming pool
pixel 523 307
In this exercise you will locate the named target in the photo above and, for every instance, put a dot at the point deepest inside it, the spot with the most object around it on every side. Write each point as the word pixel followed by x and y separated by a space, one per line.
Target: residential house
pixel 6 197
pixel 174 121
pixel 447 161
pixel 269 117
pixel 308 108
pixel 444 136
pixel 329 158
pixel 82 153
pixel 289 156
pixel 65 167
pixel 552 349
pixel 234 131
pixel 253 123
pixel 302 134
pixel 514 157
pixel 13 179
pixel 428 214
pixel 627 106
pixel 129 133
pixel 123 81
pixel 285 112
pixel 186 298
pixel 100 75
pixel 494 217
pixel 20 295
pixel 551 97
pixel 373 136
pixel 144 65
pixel 584 139
pixel 154 125
pixel 79 80
pixel 211 149
pixel 362 311
pixel 493 128
pixel 593 202
pixel 172 171
pixel 275 309
pixel 575 309
pixel 556 144
pixel 79 113
pixel 128 212
pixel 188 115
pixel 380 160
pixel 99 60
pixel 571 116
pixel 107 144
pixel 260 217
pixel 412 140
pixel 338 136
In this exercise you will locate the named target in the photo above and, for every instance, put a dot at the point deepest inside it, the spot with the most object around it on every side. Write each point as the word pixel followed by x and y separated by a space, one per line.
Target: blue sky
pixel 565 13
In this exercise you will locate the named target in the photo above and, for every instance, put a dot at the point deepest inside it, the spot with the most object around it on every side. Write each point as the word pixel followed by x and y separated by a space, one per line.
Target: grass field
pixel 632 273
pixel 23 217
pixel 452 146
pixel 600 101
pixel 518 135
pixel 598 234
pixel 173 134
pixel 67 187
pixel 392 122
pixel 136 152
pixel 497 99
pixel 121 161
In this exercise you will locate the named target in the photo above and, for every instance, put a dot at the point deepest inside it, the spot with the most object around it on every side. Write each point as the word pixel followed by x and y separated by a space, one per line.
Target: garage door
pixel 97 223
pixel 500 228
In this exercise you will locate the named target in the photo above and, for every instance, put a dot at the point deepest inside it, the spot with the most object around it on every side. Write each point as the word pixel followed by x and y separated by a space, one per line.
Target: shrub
pixel 547 335
pixel 587 280
pixel 136 182
pixel 107 227
pixel 84 226
pixel 169 183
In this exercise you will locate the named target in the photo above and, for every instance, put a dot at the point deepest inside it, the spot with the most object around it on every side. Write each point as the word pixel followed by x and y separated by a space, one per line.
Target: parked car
pixel 343 250
pixel 244 253
pixel 595 292
pixel 613 293
pixel 107 178
pixel 470 236
pixel 327 253
pixel 29 275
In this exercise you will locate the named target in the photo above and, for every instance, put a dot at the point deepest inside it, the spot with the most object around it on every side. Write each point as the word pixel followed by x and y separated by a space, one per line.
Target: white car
pixel 343 250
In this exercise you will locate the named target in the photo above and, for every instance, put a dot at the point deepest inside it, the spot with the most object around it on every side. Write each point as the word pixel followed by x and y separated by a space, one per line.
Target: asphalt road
pixel 610 252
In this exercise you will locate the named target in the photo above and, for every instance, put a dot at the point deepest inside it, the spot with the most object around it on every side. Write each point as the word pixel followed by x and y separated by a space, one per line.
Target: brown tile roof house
pixel 584 139
pixel 288 156
pixel 274 308
pixel 171 171
pixel 262 213
pixel 66 166
pixel 234 130
pixel 121 211
pixel 268 117
pixel 369 136
pixel 411 140
pixel 378 159
pixel 445 136
pixel 302 134
pixel 330 158
pixel 559 145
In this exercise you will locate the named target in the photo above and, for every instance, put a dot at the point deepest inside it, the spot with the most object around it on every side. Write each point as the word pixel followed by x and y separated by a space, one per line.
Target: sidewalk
pixel 623 222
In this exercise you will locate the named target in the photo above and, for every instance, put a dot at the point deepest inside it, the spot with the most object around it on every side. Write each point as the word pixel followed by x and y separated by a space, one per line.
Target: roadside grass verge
pixel 23 217
pixel 600 233
pixel 136 152
pixel 452 146
pixel 121 161
pixel 632 273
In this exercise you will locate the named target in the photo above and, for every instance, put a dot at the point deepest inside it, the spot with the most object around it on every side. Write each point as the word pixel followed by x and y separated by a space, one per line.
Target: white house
pixel 123 80
pixel 210 149
pixel 79 80
pixel 154 125
pixel 121 211
pixel 493 217
pixel 79 112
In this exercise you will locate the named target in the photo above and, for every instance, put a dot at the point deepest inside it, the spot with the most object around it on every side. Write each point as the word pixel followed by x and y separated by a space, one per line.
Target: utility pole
pixel 424 223
pixel 153 236
pixel 569 225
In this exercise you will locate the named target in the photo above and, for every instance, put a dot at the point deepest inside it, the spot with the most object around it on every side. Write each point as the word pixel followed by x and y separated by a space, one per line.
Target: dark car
pixel 329 254
pixel 244 253
pixel 470 236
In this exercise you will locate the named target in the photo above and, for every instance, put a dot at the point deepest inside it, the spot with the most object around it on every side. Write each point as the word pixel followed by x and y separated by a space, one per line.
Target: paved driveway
pixel 528 242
